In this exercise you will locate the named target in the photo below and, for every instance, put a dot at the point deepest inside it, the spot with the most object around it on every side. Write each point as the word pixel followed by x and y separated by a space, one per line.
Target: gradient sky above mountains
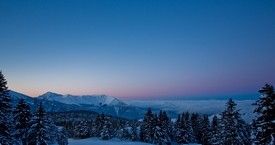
pixel 138 48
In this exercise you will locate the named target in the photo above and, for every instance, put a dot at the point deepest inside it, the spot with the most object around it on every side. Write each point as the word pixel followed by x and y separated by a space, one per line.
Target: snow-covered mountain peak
pixel 97 100
pixel 50 96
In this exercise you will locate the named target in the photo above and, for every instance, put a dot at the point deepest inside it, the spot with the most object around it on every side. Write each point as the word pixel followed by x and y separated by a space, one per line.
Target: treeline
pixel 73 115
pixel 195 128
pixel 103 126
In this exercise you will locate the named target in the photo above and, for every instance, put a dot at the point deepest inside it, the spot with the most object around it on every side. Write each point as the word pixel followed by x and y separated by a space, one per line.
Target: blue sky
pixel 138 48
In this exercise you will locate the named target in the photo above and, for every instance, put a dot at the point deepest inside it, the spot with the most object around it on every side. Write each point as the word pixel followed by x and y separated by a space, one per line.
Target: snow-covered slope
pixel 15 97
pixel 98 103
pixel 96 100
pixel 97 141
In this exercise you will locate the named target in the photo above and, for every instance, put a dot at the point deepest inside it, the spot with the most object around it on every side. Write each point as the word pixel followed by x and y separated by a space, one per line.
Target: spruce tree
pixel 176 129
pixel 42 131
pixel 125 135
pixel 106 132
pixel 232 126
pixel 133 134
pixel 206 133
pixel 62 137
pixel 183 128
pixel 165 126
pixel 120 128
pixel 146 129
pixel 22 117
pixel 189 130
pixel 244 132
pixel 98 125
pixel 81 129
pixel 264 124
pixel 180 130
pixel 196 123
pixel 158 134
pixel 215 131
pixel 69 126
pixel 6 126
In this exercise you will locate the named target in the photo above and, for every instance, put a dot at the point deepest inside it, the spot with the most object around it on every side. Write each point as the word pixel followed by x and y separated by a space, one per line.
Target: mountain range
pixel 129 109
pixel 54 102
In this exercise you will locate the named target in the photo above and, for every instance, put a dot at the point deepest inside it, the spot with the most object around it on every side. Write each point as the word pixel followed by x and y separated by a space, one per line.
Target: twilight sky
pixel 138 48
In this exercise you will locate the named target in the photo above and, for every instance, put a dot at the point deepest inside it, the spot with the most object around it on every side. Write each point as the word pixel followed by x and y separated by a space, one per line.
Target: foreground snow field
pixel 97 141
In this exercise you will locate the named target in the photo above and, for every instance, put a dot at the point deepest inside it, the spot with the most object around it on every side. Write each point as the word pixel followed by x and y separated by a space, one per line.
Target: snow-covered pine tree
pixel 196 123
pixel 164 120
pixel 189 130
pixel 133 134
pixel 6 125
pixel 90 127
pixel 158 133
pixel 228 126
pixel 125 134
pixel 69 126
pixel 244 132
pixel 264 124
pixel 62 137
pixel 171 129
pixel 81 129
pixel 215 131
pixel 165 126
pixel 147 127
pixel 106 132
pixel 183 128
pixel 22 116
pixel 42 131
pixel 176 129
pixel 120 125
pixel 232 126
pixel 113 128
pixel 98 125
pixel 180 130
pixel 206 133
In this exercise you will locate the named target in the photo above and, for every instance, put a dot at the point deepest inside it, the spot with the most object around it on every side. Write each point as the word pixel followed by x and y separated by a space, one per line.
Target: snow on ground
pixel 97 141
